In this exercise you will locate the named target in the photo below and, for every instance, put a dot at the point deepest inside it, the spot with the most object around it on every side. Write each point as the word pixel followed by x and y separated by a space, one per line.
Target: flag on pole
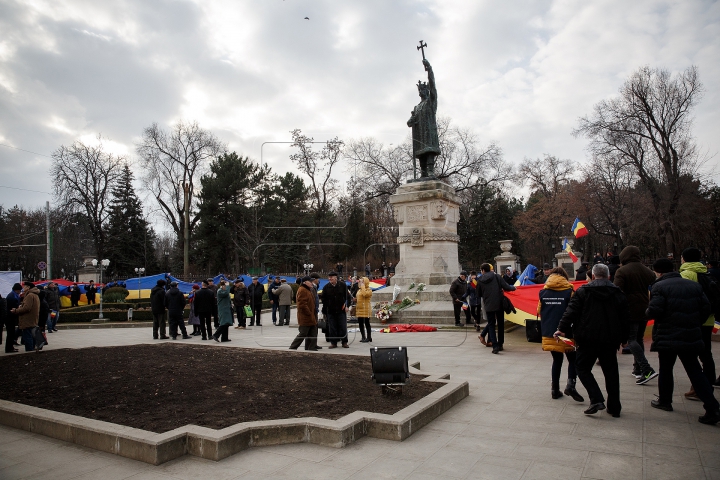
pixel 578 229
pixel 566 247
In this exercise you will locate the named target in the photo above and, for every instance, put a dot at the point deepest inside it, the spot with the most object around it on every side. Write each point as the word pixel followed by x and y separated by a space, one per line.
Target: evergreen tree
pixel 130 238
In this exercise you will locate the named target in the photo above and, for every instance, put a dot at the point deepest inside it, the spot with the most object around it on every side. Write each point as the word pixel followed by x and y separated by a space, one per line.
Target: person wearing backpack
pixel 692 269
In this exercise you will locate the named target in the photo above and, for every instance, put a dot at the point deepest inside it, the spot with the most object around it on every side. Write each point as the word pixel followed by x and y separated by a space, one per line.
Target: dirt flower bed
pixel 165 386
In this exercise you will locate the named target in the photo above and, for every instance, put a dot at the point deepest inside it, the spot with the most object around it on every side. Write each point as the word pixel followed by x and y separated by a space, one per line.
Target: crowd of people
pixel 220 306
pixel 580 327
pixel 29 313
pixel 588 326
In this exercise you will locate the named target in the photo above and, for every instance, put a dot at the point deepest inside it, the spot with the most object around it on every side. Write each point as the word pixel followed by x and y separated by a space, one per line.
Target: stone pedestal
pixel 564 260
pixel 427 214
pixel 87 272
pixel 506 259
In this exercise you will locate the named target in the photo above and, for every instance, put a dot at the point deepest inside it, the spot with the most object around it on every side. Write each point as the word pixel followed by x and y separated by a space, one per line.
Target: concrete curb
pixel 158 448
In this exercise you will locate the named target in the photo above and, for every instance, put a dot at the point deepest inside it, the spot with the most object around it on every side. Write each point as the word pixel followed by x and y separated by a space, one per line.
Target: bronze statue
pixel 426 145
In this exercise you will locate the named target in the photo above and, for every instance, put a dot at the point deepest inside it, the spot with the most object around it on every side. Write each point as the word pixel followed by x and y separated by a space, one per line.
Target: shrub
pixel 115 295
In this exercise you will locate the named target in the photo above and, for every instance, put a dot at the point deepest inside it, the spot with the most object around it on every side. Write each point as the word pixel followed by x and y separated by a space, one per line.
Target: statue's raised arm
pixel 431 80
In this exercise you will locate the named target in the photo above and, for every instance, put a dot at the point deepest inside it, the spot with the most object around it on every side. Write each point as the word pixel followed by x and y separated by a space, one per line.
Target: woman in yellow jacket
pixel 362 309
pixel 554 299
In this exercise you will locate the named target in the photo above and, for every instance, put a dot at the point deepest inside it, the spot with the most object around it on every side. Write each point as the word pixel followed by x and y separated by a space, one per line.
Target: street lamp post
pixel 139 271
pixel 308 268
pixel 102 265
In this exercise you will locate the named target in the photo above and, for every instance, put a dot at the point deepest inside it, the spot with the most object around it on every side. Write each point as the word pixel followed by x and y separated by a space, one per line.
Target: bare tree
pixel 546 175
pixel 83 176
pixel 649 126
pixel 172 162
pixel 318 167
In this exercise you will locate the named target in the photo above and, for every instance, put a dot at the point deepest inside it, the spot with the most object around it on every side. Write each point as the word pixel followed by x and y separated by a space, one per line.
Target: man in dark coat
pixel 597 317
pixel 74 295
pixel 491 287
pixel 214 288
pixel 614 266
pixel 541 278
pixel 334 296
pixel 272 286
pixel 157 305
pixel 256 290
pixel 581 273
pixel 52 295
pixel 175 302
pixel 203 303
pixel 3 315
pixel 634 279
pixel 90 292
pixel 11 321
pixel 458 291
pixel 679 307
pixel 240 300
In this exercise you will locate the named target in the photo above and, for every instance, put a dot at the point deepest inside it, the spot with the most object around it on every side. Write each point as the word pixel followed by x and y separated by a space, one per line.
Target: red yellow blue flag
pixel 578 229
pixel 566 247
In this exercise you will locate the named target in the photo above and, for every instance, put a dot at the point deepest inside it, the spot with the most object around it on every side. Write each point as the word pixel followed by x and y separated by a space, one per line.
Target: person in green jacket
pixel 225 317
pixel 689 268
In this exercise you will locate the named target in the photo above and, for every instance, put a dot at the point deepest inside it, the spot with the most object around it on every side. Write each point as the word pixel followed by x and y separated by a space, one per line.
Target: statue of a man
pixel 426 145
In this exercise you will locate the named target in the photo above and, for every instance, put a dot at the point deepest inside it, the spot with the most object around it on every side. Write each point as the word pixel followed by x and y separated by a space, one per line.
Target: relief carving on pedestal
pixel 417 213
pixel 438 210
pixel 416 237
pixel 398 214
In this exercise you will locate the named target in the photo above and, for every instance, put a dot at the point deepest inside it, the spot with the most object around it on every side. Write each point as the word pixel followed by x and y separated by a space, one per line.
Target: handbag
pixel 507 305
pixel 248 311
pixel 322 323
pixel 532 330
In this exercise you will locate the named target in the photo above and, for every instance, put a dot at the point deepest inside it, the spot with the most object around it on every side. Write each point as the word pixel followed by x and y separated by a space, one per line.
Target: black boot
pixel 555 391
pixel 570 390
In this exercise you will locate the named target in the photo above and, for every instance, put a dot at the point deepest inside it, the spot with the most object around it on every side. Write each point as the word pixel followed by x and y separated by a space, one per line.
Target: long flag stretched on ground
pixel 578 229
pixel 566 247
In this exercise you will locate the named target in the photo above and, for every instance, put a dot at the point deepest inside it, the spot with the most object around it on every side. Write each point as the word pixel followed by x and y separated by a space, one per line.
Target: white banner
pixel 7 280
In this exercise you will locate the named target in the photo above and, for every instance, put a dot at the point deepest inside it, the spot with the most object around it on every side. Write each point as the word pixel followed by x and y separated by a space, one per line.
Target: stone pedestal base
pixel 427 213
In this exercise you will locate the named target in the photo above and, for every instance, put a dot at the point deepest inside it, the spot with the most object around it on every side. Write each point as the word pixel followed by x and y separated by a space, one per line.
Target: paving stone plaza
pixel 508 428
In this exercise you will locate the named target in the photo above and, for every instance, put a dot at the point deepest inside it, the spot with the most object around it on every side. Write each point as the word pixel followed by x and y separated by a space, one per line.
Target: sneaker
pixel 637 374
pixel 646 377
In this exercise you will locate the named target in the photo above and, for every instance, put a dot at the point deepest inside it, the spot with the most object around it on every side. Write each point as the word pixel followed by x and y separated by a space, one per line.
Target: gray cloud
pixel 519 73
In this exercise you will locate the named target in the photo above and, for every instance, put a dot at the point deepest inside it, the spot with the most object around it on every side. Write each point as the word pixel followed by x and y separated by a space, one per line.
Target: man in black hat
pixel 256 290
pixel 157 305
pixel 11 321
pixel 334 296
pixel 541 278
pixel 175 302
pixel 458 289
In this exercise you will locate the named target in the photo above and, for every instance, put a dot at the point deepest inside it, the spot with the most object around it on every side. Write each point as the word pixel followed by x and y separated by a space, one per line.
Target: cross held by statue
pixel 422 48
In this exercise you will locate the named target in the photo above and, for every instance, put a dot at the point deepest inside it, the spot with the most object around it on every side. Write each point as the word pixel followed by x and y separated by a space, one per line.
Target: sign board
pixel 42 266
pixel 7 280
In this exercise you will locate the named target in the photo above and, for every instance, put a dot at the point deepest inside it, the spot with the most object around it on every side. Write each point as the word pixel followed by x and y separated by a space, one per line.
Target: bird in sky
pixel 306 18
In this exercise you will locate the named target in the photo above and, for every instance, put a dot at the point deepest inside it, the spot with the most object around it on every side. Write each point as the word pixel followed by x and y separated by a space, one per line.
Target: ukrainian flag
pixel 578 229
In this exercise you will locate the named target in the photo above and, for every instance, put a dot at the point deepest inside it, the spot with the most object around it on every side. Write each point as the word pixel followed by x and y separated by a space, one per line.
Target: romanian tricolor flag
pixel 716 327
pixel 566 247
pixel 579 229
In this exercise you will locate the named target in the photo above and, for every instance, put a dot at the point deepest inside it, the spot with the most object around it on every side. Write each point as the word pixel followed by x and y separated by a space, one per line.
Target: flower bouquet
pixel 384 313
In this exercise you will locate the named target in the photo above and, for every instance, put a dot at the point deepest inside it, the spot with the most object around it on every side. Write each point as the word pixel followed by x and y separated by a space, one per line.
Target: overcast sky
pixel 516 72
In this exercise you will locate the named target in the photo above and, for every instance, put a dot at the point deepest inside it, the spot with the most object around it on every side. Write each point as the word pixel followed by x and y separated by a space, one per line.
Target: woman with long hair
pixel 554 299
